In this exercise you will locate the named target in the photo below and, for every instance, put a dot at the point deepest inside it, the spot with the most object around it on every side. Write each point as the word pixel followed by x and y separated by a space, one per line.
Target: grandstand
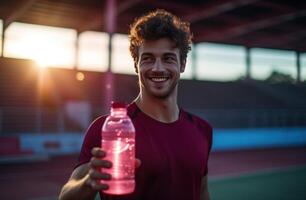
pixel 235 104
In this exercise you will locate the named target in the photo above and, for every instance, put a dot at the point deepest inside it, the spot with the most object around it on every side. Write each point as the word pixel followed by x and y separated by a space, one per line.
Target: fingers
pixel 94 179
pixel 95 175
pixel 96 183
pixel 98 152
pixel 97 186
pixel 98 163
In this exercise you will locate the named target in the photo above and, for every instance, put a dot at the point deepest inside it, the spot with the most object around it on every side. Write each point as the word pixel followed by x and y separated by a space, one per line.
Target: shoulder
pixel 94 129
pixel 92 139
pixel 198 121
pixel 203 126
pixel 133 110
pixel 97 123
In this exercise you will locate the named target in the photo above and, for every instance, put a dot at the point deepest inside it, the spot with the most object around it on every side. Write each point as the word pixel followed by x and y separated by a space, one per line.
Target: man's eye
pixel 146 59
pixel 170 59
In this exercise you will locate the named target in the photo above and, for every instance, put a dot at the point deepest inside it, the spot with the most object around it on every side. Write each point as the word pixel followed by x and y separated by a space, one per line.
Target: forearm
pixel 77 189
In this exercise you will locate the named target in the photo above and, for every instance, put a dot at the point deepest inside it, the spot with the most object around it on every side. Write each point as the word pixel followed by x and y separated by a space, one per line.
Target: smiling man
pixel 172 145
pixel 159 68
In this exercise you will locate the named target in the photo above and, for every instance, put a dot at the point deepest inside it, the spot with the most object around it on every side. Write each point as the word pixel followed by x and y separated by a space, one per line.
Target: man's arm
pixel 204 189
pixel 84 181
pixel 77 186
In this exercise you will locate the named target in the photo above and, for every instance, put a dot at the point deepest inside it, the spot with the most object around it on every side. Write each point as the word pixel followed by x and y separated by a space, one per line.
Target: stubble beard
pixel 144 88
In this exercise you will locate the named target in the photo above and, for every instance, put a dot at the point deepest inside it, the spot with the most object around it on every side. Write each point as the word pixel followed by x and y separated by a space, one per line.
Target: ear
pixel 136 68
pixel 183 65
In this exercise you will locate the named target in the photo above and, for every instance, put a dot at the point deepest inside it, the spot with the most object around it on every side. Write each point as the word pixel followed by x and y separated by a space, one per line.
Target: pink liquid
pixel 120 151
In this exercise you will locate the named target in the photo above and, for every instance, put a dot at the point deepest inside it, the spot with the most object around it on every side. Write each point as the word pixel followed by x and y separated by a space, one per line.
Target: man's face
pixel 159 67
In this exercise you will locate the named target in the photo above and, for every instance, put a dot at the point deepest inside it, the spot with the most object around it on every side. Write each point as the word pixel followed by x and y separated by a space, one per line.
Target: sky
pixel 56 47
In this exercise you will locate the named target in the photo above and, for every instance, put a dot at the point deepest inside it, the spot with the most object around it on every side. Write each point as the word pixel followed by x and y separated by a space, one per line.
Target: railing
pixel 252 118
pixel 55 120
pixel 35 120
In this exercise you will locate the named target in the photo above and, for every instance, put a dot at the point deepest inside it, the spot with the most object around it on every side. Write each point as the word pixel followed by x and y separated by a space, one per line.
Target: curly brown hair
pixel 160 24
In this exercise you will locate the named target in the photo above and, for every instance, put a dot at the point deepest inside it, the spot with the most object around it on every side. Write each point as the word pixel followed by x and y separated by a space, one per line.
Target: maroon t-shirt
pixel 173 155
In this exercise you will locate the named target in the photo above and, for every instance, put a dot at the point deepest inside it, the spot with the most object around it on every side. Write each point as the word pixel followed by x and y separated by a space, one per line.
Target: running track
pixel 43 180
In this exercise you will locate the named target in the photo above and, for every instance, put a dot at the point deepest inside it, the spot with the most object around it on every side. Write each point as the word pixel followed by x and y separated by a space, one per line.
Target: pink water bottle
pixel 118 140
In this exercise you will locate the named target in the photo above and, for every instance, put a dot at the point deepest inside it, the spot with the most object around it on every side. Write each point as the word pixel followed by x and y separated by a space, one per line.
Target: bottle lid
pixel 118 104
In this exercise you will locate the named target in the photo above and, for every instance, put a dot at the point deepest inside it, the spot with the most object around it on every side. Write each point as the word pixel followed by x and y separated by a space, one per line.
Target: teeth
pixel 159 79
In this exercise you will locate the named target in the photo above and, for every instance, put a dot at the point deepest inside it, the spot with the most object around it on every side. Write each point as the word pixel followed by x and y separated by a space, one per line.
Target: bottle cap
pixel 118 104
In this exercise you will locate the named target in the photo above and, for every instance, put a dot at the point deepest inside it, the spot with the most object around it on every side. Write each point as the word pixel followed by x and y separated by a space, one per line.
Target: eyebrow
pixel 146 54
pixel 169 54
pixel 151 54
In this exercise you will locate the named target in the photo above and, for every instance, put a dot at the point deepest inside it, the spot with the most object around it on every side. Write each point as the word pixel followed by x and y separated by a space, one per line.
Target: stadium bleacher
pixel 236 104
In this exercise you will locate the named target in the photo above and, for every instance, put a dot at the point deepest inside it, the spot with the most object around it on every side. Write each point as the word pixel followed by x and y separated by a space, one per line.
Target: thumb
pixel 137 163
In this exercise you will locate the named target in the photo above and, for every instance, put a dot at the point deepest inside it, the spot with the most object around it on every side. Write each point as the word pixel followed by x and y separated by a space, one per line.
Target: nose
pixel 158 66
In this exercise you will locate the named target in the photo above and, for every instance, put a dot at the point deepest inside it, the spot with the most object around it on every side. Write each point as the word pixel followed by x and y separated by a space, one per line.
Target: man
pixel 172 146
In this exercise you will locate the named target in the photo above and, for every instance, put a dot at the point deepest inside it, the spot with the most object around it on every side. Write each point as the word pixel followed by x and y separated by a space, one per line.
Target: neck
pixel 162 109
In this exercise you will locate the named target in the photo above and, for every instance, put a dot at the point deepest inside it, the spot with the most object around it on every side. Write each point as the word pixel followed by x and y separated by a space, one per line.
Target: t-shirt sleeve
pixel 92 139
pixel 209 137
pixel 207 131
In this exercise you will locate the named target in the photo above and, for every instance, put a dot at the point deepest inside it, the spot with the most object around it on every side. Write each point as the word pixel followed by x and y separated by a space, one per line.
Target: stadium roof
pixel 279 24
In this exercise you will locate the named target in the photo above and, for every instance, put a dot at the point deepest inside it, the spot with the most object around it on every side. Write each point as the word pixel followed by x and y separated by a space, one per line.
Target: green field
pixel 289 184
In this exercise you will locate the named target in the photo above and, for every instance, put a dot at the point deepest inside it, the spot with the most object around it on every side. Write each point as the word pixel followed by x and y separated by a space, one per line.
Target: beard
pixel 158 89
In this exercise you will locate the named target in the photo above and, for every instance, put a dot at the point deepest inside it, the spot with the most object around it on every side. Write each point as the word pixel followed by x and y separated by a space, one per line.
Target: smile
pixel 159 79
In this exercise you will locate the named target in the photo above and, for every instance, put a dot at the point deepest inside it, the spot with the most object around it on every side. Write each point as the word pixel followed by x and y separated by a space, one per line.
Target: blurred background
pixel 63 61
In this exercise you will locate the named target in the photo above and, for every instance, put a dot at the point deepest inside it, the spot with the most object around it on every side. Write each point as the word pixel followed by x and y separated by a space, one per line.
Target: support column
pixel 76 56
pixel 39 99
pixel 110 52
pixel 194 62
pixel 2 38
pixel 248 63
pixel 298 67
pixel 110 22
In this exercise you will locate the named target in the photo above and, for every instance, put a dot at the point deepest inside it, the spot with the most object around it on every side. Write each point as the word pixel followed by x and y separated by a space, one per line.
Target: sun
pixel 47 46
pixel 42 61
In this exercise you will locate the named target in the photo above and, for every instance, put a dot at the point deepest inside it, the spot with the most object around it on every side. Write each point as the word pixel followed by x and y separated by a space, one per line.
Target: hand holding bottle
pixel 95 174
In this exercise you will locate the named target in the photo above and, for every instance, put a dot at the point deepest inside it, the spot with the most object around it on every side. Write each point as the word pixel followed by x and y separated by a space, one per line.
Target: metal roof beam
pixel 125 5
pixel 240 30
pixel 19 9
pixel 285 39
pixel 216 9
pixel 99 20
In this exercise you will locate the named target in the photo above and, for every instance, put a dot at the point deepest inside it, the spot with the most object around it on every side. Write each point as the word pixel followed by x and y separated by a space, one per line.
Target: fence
pixel 252 118
pixel 55 120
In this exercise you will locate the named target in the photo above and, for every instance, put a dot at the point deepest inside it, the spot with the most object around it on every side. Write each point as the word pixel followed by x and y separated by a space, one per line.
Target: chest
pixel 179 149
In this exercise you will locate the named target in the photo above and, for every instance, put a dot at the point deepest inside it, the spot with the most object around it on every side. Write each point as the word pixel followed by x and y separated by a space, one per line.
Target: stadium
pixel 63 62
